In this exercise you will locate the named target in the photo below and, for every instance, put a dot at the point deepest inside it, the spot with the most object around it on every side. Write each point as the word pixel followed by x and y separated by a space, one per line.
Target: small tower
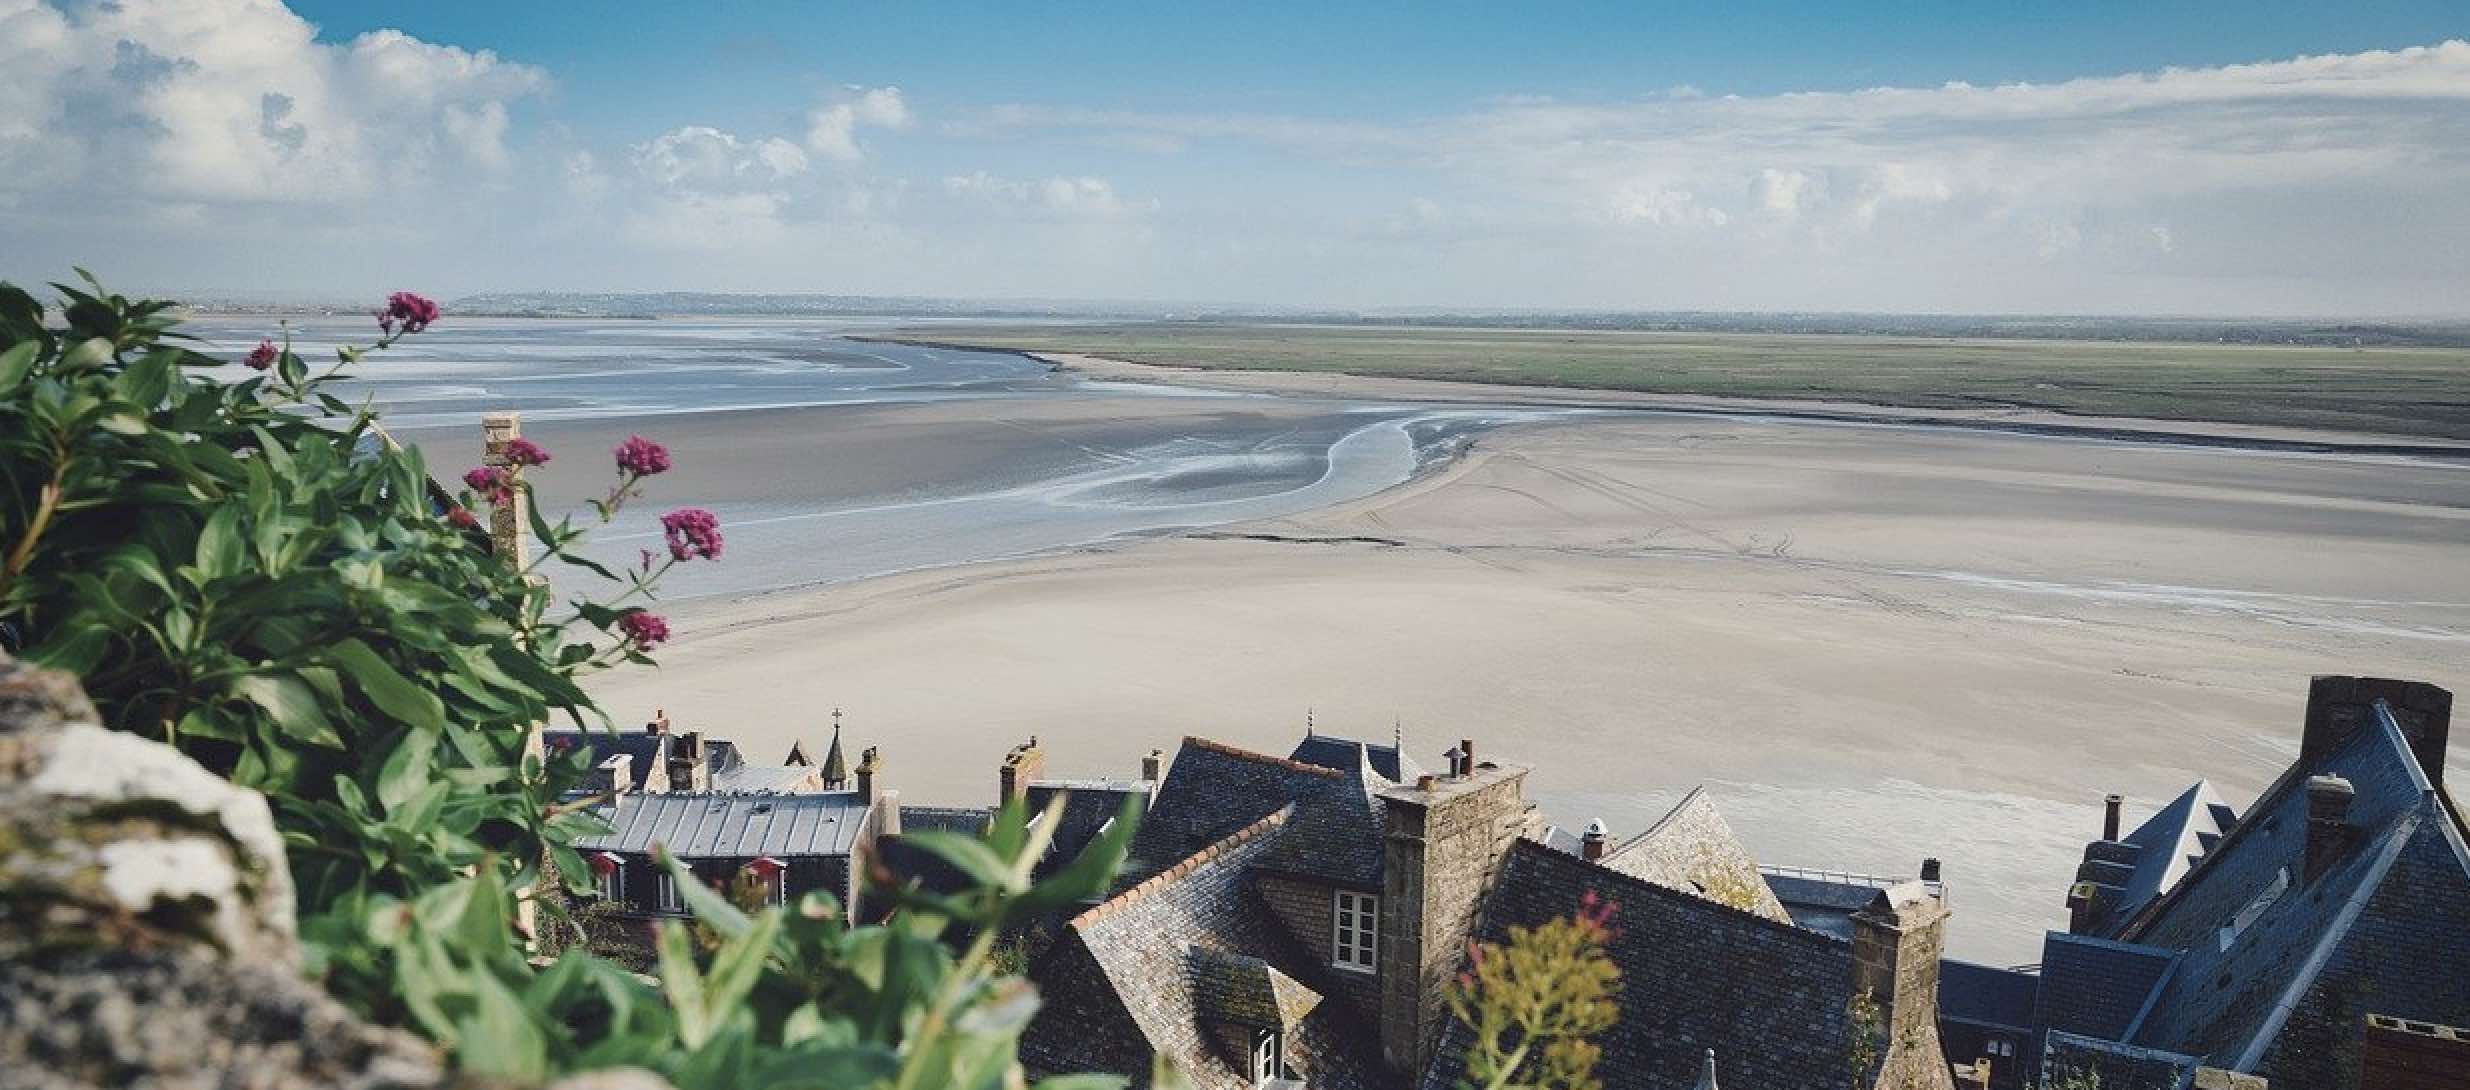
pixel 835 768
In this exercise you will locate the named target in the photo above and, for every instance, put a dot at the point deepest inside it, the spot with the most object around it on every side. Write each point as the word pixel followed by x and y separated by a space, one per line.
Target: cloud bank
pixel 221 143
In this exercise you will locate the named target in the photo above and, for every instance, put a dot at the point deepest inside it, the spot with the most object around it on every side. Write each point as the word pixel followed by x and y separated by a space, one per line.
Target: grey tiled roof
pixel 1119 983
pixel 1213 789
pixel 696 826
pixel 1331 751
pixel 1824 901
pixel 2166 847
pixel 1986 995
pixel 749 779
pixel 2115 1066
pixel 1692 849
pixel 1768 997
pixel 2273 971
pixel 1244 990
pixel 643 749
pixel 1089 806
pixel 2097 987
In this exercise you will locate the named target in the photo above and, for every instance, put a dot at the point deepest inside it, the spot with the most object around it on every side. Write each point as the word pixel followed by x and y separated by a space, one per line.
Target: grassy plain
pixel 2391 390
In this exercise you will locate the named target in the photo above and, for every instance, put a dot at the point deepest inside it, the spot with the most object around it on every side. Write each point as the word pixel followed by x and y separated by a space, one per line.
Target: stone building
pixel 1295 920
pixel 2318 940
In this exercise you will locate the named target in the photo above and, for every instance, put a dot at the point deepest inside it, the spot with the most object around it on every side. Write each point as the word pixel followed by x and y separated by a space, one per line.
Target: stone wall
pixel 1441 848
pixel 1307 910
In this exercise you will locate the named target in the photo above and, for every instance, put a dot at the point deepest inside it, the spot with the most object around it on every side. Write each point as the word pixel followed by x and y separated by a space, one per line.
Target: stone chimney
pixel 614 776
pixel 2338 705
pixel 509 523
pixel 870 775
pixel 2110 806
pixel 659 723
pixel 889 823
pixel 687 769
pixel 1897 942
pixel 1595 842
pixel 1930 869
pixel 2328 823
pixel 1153 767
pixel 1442 842
pixel 1025 763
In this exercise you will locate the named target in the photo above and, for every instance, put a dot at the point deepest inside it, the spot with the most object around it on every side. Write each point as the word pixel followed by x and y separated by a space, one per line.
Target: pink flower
pixel 492 482
pixel 692 531
pixel 414 312
pixel 260 357
pixel 642 457
pixel 524 452
pixel 462 517
pixel 644 630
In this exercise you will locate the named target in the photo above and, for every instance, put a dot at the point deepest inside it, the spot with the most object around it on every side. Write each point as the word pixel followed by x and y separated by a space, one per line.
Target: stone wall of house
pixel 1307 910
pixel 1897 944
pixel 1441 848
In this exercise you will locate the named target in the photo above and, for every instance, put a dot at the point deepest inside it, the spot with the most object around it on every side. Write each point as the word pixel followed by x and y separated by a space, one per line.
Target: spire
pixel 1706 1073
pixel 1398 735
pixel 835 769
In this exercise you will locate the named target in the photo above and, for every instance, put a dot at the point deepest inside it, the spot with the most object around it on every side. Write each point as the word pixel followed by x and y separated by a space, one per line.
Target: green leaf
pixel 292 704
pixel 17 362
pixel 406 770
pixel 219 545
pixel 709 906
pixel 500 1036
pixel 393 693
pixel 968 853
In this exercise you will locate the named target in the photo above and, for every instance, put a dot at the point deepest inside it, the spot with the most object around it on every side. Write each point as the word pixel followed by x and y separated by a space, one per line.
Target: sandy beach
pixel 1872 643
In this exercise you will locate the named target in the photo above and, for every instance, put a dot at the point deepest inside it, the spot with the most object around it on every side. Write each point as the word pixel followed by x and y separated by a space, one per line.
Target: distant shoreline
pixel 2048 423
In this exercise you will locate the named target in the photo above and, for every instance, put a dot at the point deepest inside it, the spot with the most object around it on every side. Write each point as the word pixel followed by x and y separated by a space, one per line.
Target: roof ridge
pixel 1658 889
pixel 1190 863
pixel 2335 934
pixel 1196 741
pixel 1694 794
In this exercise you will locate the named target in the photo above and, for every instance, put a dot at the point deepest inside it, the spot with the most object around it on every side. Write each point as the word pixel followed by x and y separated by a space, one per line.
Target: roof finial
pixel 1706 1072
pixel 1308 731
pixel 1398 734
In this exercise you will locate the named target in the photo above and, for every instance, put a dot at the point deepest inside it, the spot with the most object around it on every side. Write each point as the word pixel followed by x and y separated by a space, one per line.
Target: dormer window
pixel 670 901
pixel 1268 1056
pixel 1354 931
pixel 773 876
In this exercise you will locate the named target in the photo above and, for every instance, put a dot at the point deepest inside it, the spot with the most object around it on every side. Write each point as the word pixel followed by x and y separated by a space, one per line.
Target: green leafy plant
pixel 248 569
pixel 1534 1001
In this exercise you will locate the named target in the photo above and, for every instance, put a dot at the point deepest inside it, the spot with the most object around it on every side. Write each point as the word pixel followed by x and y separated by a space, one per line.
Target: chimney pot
pixel 1427 782
pixel 1153 766
pixel 1597 839
pixel 2110 805
pixel 1466 751
pixel 1929 869
pixel 1457 762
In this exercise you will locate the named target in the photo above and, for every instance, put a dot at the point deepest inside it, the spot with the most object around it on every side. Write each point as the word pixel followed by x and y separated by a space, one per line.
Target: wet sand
pixel 1872 643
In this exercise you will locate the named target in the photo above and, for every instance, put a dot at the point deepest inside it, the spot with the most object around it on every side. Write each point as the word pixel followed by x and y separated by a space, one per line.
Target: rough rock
pixel 113 840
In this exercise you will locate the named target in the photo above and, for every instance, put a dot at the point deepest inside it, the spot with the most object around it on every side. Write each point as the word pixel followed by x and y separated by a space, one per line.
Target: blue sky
pixel 2219 158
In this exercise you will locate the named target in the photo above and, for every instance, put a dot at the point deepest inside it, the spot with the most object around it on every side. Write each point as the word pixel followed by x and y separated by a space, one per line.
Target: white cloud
pixel 704 159
pixel 176 101
pixel 832 128
pixel 1080 196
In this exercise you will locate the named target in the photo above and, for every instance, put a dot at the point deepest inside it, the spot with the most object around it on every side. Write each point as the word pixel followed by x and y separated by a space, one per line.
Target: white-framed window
pixel 612 881
pixel 1355 927
pixel 776 888
pixel 2001 1047
pixel 670 901
pixel 1268 1057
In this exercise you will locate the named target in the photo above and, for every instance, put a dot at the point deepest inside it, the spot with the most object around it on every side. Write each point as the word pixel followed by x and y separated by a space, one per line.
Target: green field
pixel 2393 390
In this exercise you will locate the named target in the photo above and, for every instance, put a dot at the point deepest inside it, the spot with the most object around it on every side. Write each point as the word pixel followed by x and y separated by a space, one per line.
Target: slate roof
pixel 764 779
pixel 1120 981
pixel 1768 997
pixel 2273 973
pixel 1986 995
pixel 2097 987
pixel 1693 850
pixel 2166 847
pixel 910 864
pixel 1213 789
pixel 1243 990
pixel 1089 807
pixel 2115 1066
pixel 1824 901
pixel 1331 751
pixel 643 749
pixel 700 825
